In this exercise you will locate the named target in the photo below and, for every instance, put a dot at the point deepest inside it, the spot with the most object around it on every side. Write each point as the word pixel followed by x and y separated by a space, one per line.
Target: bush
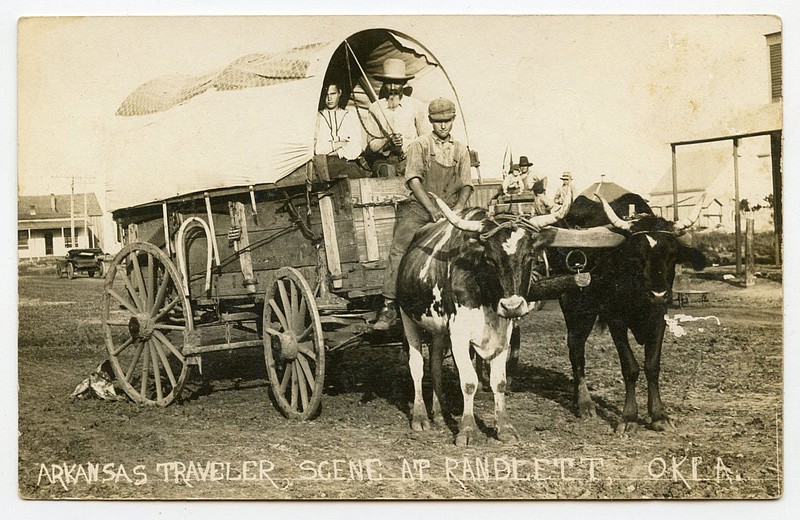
pixel 37 266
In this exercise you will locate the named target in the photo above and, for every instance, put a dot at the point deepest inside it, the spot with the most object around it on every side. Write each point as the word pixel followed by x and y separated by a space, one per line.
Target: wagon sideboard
pixel 344 224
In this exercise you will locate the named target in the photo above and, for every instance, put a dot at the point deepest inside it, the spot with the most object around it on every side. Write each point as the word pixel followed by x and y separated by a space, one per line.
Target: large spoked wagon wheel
pixel 294 348
pixel 146 320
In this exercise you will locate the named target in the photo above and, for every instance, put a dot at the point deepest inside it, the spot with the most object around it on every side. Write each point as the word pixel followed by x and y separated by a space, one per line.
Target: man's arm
pixel 463 197
pixel 378 140
pixel 351 130
pixel 422 197
pixel 465 174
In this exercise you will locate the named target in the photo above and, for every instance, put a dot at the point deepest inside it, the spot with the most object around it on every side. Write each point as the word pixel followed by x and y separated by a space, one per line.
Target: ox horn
pixel 599 236
pixel 457 221
pixel 682 226
pixel 612 216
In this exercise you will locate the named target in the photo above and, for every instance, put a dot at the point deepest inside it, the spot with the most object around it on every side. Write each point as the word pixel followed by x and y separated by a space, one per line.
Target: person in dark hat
pixel 517 179
pixel 394 121
pixel 436 164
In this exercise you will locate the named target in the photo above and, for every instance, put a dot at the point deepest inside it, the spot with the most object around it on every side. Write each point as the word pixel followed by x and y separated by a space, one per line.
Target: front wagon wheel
pixel 294 349
pixel 147 321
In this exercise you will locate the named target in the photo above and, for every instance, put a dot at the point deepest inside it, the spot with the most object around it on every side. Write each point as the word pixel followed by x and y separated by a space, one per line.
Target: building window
pixel 23 237
pixel 68 241
pixel 32 210
pixel 775 66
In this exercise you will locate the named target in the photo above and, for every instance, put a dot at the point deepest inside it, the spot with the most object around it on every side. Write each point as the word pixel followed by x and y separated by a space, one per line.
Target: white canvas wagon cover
pixel 252 121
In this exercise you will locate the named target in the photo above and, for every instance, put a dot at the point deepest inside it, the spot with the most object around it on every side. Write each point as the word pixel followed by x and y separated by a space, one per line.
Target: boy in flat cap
pixel 394 121
pixel 438 164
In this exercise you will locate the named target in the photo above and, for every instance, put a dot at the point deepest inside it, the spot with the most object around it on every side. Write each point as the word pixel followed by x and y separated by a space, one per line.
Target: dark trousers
pixel 389 166
pixel 410 217
pixel 339 168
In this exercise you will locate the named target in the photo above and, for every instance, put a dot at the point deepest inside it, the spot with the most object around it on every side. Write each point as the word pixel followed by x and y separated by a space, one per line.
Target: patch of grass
pixel 720 248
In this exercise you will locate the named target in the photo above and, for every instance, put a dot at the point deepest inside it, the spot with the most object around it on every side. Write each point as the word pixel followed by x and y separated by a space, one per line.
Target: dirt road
pixel 224 439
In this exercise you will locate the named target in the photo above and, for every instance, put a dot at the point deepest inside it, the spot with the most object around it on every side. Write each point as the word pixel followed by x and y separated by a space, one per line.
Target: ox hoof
pixel 627 427
pixel 508 435
pixel 438 421
pixel 465 438
pixel 586 410
pixel 420 425
pixel 663 425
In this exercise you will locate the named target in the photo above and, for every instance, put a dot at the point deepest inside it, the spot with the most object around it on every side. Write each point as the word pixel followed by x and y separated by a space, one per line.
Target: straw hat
pixel 394 69
pixel 566 176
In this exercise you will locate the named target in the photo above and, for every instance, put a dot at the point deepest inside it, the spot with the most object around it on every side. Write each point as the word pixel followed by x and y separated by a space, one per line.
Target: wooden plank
pixel 331 243
pixel 242 246
pixel 378 191
pixel 370 236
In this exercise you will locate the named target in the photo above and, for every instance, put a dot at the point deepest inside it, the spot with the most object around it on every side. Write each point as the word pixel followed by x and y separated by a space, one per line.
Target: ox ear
pixel 471 252
pixel 691 255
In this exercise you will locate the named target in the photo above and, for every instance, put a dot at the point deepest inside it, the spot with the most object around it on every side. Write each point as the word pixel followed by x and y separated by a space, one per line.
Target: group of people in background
pixel 406 138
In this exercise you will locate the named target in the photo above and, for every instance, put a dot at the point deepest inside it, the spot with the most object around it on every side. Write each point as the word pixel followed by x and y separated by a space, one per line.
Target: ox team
pixel 464 278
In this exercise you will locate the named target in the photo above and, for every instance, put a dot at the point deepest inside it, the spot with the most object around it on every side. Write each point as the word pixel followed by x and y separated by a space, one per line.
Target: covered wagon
pixel 196 157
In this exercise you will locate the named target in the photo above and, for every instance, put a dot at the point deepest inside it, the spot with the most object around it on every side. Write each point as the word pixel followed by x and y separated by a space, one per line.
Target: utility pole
pixel 73 240
pixel 72 213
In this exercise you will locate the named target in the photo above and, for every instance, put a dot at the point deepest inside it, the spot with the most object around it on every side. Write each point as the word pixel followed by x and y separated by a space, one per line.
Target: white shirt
pixel 409 119
pixel 338 125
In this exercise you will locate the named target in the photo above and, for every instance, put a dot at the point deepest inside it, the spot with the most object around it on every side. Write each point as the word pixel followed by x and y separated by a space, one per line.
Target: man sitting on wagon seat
pixel 394 122
pixel 338 135
pixel 436 164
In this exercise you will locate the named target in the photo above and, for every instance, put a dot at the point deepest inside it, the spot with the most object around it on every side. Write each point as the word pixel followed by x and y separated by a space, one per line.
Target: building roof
pixel 608 190
pixel 746 122
pixel 42 205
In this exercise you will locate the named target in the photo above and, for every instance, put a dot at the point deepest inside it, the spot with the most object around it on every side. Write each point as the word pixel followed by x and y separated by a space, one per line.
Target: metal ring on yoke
pixel 577 266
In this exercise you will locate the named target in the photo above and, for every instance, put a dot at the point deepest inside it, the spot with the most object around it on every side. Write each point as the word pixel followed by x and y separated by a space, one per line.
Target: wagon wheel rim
pixel 294 348
pixel 58 271
pixel 70 271
pixel 146 321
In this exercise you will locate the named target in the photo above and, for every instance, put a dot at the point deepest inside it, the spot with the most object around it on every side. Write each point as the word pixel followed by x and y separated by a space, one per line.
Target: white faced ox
pixel 461 279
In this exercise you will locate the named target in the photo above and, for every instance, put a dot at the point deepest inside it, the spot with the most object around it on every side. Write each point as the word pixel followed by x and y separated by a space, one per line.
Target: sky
pixel 569 95
pixel 591 95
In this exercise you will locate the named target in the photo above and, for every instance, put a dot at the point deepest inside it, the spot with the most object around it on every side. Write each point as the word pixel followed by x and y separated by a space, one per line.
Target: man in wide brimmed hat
pixel 437 164
pixel 565 191
pixel 394 121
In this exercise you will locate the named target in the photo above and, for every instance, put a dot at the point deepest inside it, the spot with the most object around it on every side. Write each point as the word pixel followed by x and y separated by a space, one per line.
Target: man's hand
pixel 436 214
pixel 396 140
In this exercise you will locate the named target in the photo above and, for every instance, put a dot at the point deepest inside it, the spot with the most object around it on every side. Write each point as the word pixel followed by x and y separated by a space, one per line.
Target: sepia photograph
pixel 415 257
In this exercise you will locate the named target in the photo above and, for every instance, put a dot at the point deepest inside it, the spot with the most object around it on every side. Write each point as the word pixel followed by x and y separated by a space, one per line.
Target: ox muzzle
pixel 512 307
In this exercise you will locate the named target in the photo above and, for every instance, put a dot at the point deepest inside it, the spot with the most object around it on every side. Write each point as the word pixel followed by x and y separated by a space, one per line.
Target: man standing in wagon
pixel 394 121
pixel 436 164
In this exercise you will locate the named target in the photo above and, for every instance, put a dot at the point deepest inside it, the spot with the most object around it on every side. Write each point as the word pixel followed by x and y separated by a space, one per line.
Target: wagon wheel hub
pixel 141 326
pixel 288 345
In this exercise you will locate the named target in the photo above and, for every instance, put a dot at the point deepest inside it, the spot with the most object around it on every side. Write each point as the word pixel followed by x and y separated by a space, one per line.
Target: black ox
pixel 630 290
